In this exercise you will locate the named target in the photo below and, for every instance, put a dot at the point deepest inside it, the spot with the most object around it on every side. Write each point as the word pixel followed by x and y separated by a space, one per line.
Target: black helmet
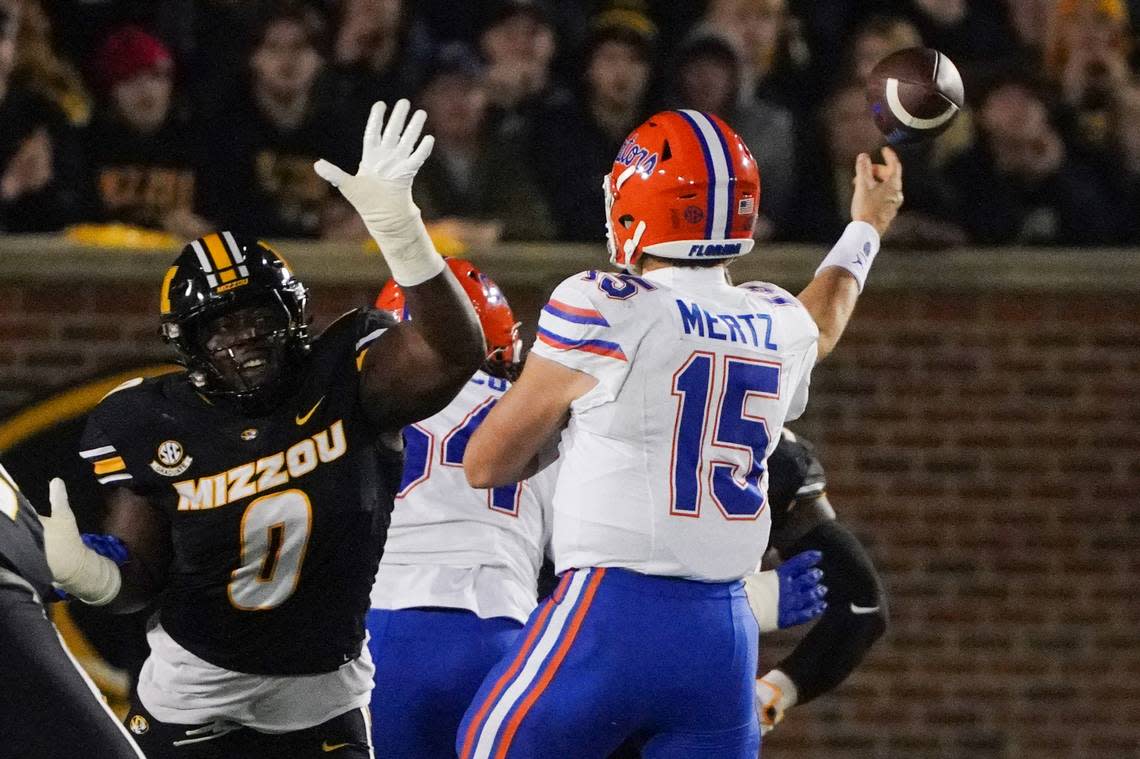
pixel 218 274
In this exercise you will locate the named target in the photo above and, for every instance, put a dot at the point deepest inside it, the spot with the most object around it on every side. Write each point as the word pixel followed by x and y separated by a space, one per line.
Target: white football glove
pixel 80 571
pixel 381 191
pixel 775 694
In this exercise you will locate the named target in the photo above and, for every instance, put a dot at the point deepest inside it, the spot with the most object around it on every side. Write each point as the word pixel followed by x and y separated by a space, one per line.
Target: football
pixel 914 94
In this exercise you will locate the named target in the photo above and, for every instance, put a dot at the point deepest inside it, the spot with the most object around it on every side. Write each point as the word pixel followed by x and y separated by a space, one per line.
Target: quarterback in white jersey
pixel 460 568
pixel 694 379
pixel 673 386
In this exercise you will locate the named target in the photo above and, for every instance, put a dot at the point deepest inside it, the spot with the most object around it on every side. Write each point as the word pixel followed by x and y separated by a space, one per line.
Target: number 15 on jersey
pixel 726 463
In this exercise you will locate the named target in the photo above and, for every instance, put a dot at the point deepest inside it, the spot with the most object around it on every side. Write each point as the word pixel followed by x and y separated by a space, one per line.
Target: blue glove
pixel 107 545
pixel 801 591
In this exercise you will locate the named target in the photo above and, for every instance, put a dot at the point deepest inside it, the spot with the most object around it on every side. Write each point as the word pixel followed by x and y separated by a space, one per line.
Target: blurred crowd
pixel 188 115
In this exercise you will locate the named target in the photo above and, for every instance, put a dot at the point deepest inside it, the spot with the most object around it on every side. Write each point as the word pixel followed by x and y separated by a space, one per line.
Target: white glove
pixel 91 578
pixel 775 694
pixel 381 192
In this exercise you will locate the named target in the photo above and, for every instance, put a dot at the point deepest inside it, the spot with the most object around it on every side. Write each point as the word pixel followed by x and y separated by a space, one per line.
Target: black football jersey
pixel 277 522
pixel 22 538
pixel 794 472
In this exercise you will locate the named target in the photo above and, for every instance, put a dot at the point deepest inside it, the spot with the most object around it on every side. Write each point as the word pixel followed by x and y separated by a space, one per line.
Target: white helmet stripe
pixel 235 251
pixel 721 163
pixel 204 261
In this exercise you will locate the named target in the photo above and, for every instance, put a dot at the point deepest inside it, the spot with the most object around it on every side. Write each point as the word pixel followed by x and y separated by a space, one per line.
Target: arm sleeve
pixel 576 330
pixel 856 613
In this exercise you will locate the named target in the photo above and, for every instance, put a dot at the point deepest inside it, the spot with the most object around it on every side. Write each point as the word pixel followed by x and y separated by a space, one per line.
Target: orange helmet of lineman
pixel 504 348
pixel 683 186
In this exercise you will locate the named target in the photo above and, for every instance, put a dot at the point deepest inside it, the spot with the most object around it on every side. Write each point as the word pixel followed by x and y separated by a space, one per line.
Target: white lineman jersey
pixel 449 544
pixel 663 462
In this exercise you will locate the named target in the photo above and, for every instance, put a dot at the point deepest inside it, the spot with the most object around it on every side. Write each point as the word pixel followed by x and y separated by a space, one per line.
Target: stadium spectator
pixel 143 155
pixel 42 69
pixel 575 145
pixel 39 156
pixel 476 186
pixel 518 43
pixel 825 191
pixel 1125 155
pixel 1029 20
pixel 874 40
pixel 1036 190
pixel 379 53
pixel 1086 57
pixel 262 148
pixel 776 66
pixel 968 31
pixel 708 79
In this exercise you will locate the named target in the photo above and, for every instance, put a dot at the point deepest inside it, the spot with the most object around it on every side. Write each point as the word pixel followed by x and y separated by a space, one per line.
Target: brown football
pixel 914 94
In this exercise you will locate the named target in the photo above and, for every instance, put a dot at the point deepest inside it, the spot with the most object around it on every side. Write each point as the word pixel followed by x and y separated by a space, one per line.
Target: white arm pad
pixel 854 252
pixel 408 250
pixel 763 591
pixel 91 578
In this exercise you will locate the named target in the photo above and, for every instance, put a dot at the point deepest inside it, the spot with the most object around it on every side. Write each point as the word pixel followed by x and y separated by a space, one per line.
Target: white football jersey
pixel 453 546
pixel 663 461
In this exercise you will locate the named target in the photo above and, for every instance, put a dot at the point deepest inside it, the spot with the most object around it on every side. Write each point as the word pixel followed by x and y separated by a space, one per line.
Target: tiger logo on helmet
pixel 683 186
pixel 500 330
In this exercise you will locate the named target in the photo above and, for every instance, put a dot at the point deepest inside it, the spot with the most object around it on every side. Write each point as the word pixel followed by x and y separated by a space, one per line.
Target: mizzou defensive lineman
pixel 253 491
pixel 48 706
pixel 856 615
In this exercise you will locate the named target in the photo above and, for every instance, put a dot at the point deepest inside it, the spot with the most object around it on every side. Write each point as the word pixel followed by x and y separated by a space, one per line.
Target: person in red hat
pixel 145 159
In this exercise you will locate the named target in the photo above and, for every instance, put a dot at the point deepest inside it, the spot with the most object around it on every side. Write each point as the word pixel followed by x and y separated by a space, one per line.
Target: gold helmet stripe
pixel 221 257
pixel 164 298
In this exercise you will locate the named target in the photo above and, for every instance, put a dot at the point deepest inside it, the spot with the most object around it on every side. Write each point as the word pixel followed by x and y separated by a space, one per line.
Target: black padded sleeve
pixel 856 613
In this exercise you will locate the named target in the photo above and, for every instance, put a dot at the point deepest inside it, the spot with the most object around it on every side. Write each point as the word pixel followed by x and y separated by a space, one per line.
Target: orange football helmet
pixel 684 185
pixel 504 348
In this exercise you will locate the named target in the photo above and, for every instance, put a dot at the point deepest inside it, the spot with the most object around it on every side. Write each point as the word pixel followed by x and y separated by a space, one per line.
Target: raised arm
pixel 830 297
pixel 416 368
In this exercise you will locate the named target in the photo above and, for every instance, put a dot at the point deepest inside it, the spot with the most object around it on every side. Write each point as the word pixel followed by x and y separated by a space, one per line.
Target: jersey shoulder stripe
pixel 575 314
pixel 600 347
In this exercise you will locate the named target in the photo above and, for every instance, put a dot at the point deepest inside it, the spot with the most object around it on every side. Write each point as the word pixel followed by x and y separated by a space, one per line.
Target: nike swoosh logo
pixel 302 419
pixel 327 747
pixel 863 609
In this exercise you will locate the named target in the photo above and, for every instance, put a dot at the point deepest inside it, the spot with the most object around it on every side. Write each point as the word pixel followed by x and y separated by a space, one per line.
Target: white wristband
pixel 97 580
pixel 854 252
pixel 788 692
pixel 409 252
pixel 763 591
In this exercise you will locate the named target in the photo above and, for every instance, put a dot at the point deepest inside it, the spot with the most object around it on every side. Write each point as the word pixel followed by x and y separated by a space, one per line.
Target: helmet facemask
pixel 243 352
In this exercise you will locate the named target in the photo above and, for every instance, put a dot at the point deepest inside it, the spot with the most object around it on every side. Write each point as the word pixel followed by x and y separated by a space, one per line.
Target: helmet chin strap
pixel 630 246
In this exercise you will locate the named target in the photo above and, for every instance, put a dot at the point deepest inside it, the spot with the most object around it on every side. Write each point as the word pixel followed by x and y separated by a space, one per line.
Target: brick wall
pixel 986 447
